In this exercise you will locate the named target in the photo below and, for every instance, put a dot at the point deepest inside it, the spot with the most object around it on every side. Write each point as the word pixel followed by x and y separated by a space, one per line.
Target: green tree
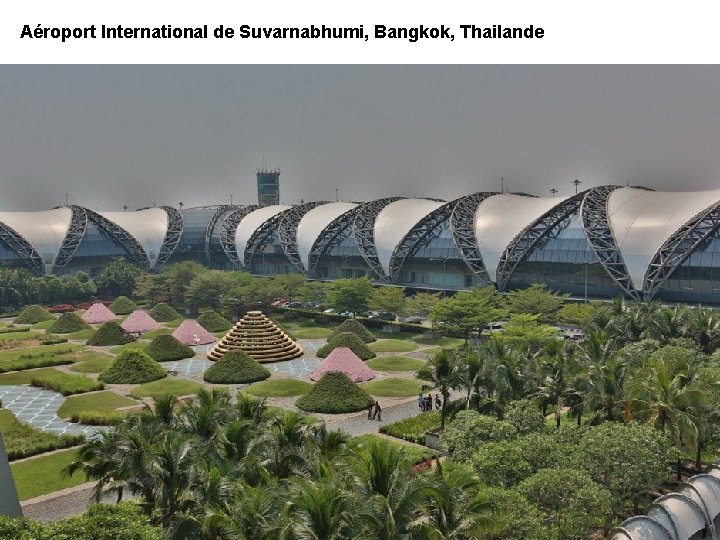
pixel 500 464
pixel 461 435
pixel 350 294
pixel 468 311
pixel 420 304
pixel 313 292
pixel 389 299
pixel 536 299
pixel 178 277
pixel 526 332
pixel 208 288
pixel 440 371
pixel 576 314
pixel 117 279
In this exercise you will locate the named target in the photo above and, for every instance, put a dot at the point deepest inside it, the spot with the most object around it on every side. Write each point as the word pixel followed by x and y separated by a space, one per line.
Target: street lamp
pixel 586 283
pixel 576 183
pixel 553 191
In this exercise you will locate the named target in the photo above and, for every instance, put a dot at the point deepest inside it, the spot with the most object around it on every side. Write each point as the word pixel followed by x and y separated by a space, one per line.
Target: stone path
pixel 38 407
pixel 188 368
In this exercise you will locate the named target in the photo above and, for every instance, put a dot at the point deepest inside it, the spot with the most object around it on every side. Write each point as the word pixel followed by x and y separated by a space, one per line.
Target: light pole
pixel 586 283
pixel 553 191
pixel 576 183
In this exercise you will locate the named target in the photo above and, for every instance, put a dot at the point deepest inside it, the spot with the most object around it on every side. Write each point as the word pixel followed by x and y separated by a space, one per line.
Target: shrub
pixel 165 347
pixel 516 518
pixel 236 367
pixel 546 450
pixel 500 464
pixel 335 393
pixel 67 323
pixel 413 429
pixel 53 340
pixel 357 328
pixel 122 305
pixel 526 416
pixel 349 340
pixel 133 366
pixel 97 418
pixel 212 321
pixel 110 333
pixel 163 312
pixel 33 314
pixel 461 437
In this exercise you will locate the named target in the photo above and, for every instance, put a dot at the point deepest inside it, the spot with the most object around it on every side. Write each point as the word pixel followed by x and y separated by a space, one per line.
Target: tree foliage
pixel 350 294
pixel 536 300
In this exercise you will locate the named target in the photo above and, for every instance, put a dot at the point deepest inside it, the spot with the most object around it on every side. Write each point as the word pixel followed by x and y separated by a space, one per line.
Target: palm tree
pixel 440 371
pixel 319 510
pixel 507 374
pixel 667 323
pixel 471 373
pixel 703 325
pixel 605 385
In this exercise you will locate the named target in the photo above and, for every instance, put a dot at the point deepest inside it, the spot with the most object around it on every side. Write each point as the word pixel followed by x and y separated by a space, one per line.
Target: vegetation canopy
pixel 133 366
pixel 110 333
pixel 349 340
pixel 236 367
pixel 122 305
pixel 165 348
pixel 335 393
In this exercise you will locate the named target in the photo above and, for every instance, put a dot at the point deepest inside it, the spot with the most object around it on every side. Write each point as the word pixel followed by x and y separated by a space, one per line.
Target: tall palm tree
pixel 441 373
pixel 703 325
pixel 507 374
pixel 667 323
pixel 319 511
pixel 605 383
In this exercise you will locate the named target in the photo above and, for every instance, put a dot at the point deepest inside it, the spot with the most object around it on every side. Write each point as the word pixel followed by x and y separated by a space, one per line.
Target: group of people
pixel 374 411
pixel 425 403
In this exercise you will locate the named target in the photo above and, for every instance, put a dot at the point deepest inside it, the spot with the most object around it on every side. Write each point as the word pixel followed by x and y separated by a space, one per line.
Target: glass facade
pixel 697 280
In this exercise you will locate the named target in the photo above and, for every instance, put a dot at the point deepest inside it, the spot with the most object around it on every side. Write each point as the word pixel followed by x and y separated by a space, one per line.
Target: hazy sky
pixel 137 135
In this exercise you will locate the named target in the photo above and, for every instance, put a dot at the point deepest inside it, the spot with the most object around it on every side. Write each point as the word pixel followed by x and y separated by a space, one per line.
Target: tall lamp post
pixel 586 283
pixel 576 183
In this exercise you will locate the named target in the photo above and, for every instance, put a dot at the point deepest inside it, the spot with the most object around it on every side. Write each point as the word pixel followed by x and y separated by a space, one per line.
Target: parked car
pixel 347 314
pixel 413 320
pixel 279 302
pixel 328 311
pixel 295 305
pixel 384 316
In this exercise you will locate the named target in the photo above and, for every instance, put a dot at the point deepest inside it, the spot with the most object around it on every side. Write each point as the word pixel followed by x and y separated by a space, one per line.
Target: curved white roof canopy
pixel 642 220
pixel 395 221
pixel 251 223
pixel 499 218
pixel 147 226
pixel 45 230
pixel 314 222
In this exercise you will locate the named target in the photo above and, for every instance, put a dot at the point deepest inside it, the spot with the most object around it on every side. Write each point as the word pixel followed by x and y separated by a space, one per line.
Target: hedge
pixel 122 305
pixel 236 367
pixel 212 321
pixel 357 328
pixel 413 429
pixel 163 312
pixel 349 340
pixel 64 383
pixel 110 333
pixel 335 393
pixel 67 323
pixel 165 348
pixel 133 366
pixel 22 440
pixel 33 314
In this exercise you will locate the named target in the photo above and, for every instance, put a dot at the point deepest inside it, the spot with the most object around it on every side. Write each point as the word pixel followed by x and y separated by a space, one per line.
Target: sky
pixel 109 136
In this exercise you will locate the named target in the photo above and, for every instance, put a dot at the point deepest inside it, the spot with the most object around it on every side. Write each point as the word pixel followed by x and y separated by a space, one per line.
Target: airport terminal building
pixel 605 241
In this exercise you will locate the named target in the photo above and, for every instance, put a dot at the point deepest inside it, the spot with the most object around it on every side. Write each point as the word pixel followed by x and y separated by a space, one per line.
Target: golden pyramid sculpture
pixel 260 338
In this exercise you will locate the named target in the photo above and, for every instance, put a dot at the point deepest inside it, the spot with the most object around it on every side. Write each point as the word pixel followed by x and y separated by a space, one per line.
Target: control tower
pixel 268 186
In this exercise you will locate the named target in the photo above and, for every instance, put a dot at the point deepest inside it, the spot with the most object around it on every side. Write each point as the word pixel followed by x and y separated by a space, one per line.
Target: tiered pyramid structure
pixel 260 338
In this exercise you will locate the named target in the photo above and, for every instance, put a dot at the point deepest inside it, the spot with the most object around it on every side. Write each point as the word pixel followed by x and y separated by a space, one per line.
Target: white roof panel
pixel 499 218
pixel 314 222
pixel 45 230
pixel 395 221
pixel 251 223
pixel 147 226
pixel 642 220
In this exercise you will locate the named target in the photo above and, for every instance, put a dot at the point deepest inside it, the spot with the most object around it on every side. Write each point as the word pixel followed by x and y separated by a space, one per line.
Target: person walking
pixel 370 411
pixel 438 403
pixel 377 412
pixel 421 404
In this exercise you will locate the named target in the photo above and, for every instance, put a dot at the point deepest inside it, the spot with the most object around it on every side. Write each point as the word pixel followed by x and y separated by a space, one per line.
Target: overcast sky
pixel 138 135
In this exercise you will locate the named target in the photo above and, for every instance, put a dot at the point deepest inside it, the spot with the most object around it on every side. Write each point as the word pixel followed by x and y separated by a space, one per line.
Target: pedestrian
pixel 438 403
pixel 378 411
pixel 370 411
pixel 421 405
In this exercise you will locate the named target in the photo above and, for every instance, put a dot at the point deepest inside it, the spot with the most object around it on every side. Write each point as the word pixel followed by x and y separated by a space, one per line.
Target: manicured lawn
pixel 22 440
pixel 393 345
pixel 44 325
pixel 305 329
pixel 413 429
pixel 19 336
pixel 179 387
pixel 104 401
pixel 90 362
pixel 134 345
pixel 415 454
pixel 395 363
pixel 43 474
pixel 442 342
pixel 15 354
pixel 173 324
pixel 279 388
pixel 156 333
pixel 393 387
pixel 52 379
pixel 83 335
pixel 24 377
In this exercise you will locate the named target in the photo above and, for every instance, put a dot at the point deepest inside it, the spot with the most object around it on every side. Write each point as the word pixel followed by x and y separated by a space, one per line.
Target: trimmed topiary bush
pixel 212 321
pixel 33 314
pixel 357 328
pixel 110 333
pixel 67 323
pixel 335 393
pixel 164 348
pixel 133 366
pixel 122 306
pixel 162 312
pixel 349 340
pixel 236 367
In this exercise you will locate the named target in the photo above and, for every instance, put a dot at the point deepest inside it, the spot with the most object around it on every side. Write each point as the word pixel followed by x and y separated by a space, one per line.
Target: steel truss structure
pixel 531 236
pixel 260 236
pixel 330 237
pixel 121 237
pixel 219 212
pixel 287 232
pixel 228 228
pixel 415 236
pixel 596 224
pixel 172 235
pixel 73 237
pixel 462 225
pixel 364 233
pixel 676 249
pixel 24 249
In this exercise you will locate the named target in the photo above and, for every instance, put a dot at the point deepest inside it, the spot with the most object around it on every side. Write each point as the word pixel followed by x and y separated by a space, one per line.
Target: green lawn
pixel 442 342
pixel 134 345
pixel 179 387
pixel 158 332
pixel 19 336
pixel 279 388
pixel 43 474
pixel 393 387
pixel 15 354
pixel 82 335
pixel 52 379
pixel 173 324
pixel 105 401
pixel 414 453
pixel 22 440
pixel 393 345
pixel 306 329
pixel 90 362
pixel 395 363
pixel 43 325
